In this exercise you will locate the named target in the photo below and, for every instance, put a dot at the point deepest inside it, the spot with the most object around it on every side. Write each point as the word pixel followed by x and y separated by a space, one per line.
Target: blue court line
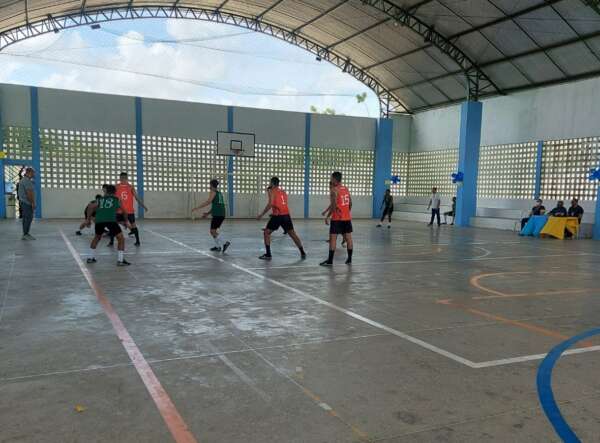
pixel 544 387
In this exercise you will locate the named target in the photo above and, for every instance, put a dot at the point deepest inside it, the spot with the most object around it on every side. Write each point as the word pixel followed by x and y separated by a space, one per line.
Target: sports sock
pixel 92 253
pixel 350 251
pixel 330 258
pixel 137 234
pixel 268 248
pixel 217 241
pixel 120 256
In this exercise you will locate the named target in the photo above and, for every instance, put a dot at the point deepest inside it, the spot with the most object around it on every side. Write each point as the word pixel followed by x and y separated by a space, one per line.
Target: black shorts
pixel 283 221
pixel 113 228
pixel 121 218
pixel 340 227
pixel 217 221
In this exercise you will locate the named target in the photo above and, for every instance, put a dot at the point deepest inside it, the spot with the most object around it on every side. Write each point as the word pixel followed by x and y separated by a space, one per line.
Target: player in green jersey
pixel 217 209
pixel 106 219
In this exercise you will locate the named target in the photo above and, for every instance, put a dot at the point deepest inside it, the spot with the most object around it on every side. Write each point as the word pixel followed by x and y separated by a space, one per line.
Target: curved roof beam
pixel 389 102
pixel 477 80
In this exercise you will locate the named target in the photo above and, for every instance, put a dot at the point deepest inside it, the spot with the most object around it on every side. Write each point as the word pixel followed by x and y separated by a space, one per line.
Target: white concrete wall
pixel 182 119
pixel 342 131
pixel 402 133
pixel 271 127
pixel 14 105
pixel 66 203
pixel 556 112
pixel 85 111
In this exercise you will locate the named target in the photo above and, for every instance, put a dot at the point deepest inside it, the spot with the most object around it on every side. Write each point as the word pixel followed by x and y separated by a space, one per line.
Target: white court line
pixel 409 338
pixel 409 262
pixel 354 315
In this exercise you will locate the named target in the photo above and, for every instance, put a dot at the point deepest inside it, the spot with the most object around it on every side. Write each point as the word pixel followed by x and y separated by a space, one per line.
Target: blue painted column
pixel 383 162
pixel 307 129
pixel 36 148
pixel 538 170
pixel 468 161
pixel 230 195
pixel 139 154
pixel 2 178
pixel 597 218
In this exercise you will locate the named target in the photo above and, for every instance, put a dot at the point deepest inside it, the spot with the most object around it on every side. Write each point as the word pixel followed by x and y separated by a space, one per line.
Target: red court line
pixel 174 421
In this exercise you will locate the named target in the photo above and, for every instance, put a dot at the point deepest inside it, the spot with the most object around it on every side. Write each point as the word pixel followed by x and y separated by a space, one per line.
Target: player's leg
pixel 437 213
pixel 121 247
pixel 99 230
pixel 390 218
pixel 332 244
pixel 267 239
pixel 382 218
pixel 297 242
pixel 134 229
pixel 350 246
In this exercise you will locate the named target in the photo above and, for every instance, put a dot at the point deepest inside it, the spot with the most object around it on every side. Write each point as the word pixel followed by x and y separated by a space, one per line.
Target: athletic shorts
pixel 121 218
pixel 283 221
pixel 217 221
pixel 113 228
pixel 340 227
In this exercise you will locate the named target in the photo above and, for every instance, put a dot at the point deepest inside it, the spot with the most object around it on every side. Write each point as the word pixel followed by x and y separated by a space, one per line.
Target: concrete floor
pixel 409 344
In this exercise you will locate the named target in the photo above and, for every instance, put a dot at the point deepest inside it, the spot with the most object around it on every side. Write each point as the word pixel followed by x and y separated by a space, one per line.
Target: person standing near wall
pixel 388 208
pixel 26 194
pixel 434 204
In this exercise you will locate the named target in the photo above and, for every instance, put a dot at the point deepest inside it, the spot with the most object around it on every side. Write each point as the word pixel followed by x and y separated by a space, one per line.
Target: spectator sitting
pixel 560 210
pixel 575 210
pixel 538 209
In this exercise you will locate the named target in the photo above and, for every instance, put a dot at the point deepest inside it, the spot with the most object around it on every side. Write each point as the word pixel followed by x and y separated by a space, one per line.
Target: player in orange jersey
pixel 340 212
pixel 278 204
pixel 126 216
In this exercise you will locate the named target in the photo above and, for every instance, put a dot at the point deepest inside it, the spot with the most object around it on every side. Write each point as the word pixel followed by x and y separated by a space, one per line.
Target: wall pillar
pixel 36 148
pixel 2 178
pixel 307 129
pixel 538 170
pixel 139 154
pixel 383 162
pixel 468 161
pixel 597 216
pixel 230 195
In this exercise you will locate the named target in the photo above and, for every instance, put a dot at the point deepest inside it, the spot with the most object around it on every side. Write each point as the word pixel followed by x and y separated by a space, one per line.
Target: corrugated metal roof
pixel 513 44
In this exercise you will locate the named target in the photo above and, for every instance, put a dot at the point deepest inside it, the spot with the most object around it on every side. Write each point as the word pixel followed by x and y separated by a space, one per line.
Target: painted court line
pixel 409 262
pixel 409 338
pixel 335 307
pixel 178 428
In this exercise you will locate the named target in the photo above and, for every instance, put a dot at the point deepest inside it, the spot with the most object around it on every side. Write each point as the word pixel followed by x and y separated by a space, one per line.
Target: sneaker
pixel 303 256
pixel 225 246
pixel 389 226
pixel 326 263
pixel 379 226
pixel 215 249
pixel 123 263
pixel 137 243
pixel 24 238
pixel 131 233
pixel 91 260
pixel 266 257
pixel 348 261
pixel 429 224
pixel 30 237
pixel 110 243
pixel 78 233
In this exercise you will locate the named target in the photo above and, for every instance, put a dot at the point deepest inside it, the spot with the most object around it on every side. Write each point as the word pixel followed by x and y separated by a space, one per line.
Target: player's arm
pixel 138 199
pixel 90 210
pixel 429 205
pixel 209 200
pixel 268 206
pixel 350 203
pixel 325 211
pixel 332 204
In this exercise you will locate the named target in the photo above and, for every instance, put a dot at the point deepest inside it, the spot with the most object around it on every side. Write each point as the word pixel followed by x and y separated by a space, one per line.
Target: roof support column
pixel 468 161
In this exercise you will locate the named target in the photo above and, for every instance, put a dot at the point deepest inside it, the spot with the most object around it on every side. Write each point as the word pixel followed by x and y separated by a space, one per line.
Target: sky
pixel 185 60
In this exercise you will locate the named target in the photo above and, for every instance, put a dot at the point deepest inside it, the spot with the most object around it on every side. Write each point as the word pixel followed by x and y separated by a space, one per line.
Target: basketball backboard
pixel 235 143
